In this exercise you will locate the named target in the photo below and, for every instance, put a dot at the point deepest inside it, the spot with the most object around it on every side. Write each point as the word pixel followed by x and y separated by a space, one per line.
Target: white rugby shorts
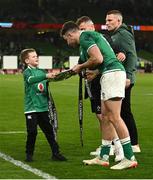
pixel 113 85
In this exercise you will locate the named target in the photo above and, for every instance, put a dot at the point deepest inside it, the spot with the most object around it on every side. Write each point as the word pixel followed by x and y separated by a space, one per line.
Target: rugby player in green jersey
pixel 36 105
pixel 85 23
pixel 95 52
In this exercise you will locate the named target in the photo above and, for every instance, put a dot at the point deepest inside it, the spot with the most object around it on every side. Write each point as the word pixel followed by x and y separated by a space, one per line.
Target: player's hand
pixel 121 56
pixel 50 75
pixel 90 75
pixel 77 68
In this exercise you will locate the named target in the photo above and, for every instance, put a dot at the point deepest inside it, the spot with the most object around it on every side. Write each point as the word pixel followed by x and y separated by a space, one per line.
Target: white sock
pixel 106 142
pixel 125 140
pixel 117 143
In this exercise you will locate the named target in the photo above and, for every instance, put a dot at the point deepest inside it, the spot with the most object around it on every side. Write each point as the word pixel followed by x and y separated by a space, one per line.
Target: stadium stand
pixel 58 11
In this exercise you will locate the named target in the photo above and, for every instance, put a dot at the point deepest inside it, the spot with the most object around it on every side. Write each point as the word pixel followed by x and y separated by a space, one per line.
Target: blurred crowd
pixel 57 11
pixel 135 12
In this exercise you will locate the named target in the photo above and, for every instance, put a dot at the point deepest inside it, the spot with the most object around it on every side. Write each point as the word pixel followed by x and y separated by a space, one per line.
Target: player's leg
pixel 96 108
pixel 113 111
pixel 113 87
pixel 113 90
pixel 108 133
pixel 31 124
pixel 116 149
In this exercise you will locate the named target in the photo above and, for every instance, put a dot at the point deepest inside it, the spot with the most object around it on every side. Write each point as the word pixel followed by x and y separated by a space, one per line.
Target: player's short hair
pixel 85 19
pixel 68 26
pixel 25 53
pixel 116 12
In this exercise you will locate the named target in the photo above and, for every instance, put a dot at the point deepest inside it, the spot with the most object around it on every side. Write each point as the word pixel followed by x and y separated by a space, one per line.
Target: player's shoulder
pixel 88 35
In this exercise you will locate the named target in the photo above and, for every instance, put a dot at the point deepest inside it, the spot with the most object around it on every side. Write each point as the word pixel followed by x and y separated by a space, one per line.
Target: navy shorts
pixel 96 93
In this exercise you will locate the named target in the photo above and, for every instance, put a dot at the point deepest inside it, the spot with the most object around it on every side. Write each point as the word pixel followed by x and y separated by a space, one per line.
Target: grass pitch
pixel 65 93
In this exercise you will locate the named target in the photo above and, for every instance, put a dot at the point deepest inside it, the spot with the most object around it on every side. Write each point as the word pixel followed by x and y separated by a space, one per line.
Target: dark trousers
pixel 41 119
pixel 127 116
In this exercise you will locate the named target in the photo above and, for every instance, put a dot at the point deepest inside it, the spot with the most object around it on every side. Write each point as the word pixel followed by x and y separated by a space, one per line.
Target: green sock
pixel 128 153
pixel 105 149
pixel 104 153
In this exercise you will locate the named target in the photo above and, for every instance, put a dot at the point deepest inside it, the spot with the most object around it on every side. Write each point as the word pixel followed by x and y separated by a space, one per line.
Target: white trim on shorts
pixel 113 84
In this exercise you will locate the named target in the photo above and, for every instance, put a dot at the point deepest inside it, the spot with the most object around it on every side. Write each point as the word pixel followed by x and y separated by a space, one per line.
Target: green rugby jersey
pixel 35 82
pixel 92 38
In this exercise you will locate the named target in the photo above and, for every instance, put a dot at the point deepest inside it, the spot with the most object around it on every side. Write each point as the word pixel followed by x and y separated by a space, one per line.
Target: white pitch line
pixel 14 132
pixel 26 167
pixel 149 94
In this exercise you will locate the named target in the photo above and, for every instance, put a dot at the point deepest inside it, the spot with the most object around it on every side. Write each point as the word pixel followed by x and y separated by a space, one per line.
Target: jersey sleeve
pixel 87 41
pixel 31 79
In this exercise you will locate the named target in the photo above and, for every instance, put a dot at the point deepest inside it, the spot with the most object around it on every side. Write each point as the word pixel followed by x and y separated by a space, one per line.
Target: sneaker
pixel 58 157
pixel 28 158
pixel 96 152
pixel 136 149
pixel 119 154
pixel 97 161
pixel 125 164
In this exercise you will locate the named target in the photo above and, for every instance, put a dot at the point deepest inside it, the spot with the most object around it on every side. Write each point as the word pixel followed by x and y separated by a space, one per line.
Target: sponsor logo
pixel 98 108
pixel 41 87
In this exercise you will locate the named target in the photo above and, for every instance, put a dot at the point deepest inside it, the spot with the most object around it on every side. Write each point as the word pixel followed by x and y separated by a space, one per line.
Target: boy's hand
pixel 50 75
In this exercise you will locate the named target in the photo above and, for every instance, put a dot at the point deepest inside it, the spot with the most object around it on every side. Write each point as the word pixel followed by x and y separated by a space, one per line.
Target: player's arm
pixel 95 58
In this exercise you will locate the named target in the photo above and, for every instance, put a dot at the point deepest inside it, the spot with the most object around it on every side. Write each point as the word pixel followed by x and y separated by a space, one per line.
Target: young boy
pixel 36 105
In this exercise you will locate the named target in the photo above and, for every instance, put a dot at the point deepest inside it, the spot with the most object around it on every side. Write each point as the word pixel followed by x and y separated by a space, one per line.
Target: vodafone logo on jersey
pixel 41 87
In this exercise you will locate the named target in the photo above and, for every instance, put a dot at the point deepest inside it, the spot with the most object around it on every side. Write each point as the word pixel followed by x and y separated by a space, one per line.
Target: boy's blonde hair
pixel 25 53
